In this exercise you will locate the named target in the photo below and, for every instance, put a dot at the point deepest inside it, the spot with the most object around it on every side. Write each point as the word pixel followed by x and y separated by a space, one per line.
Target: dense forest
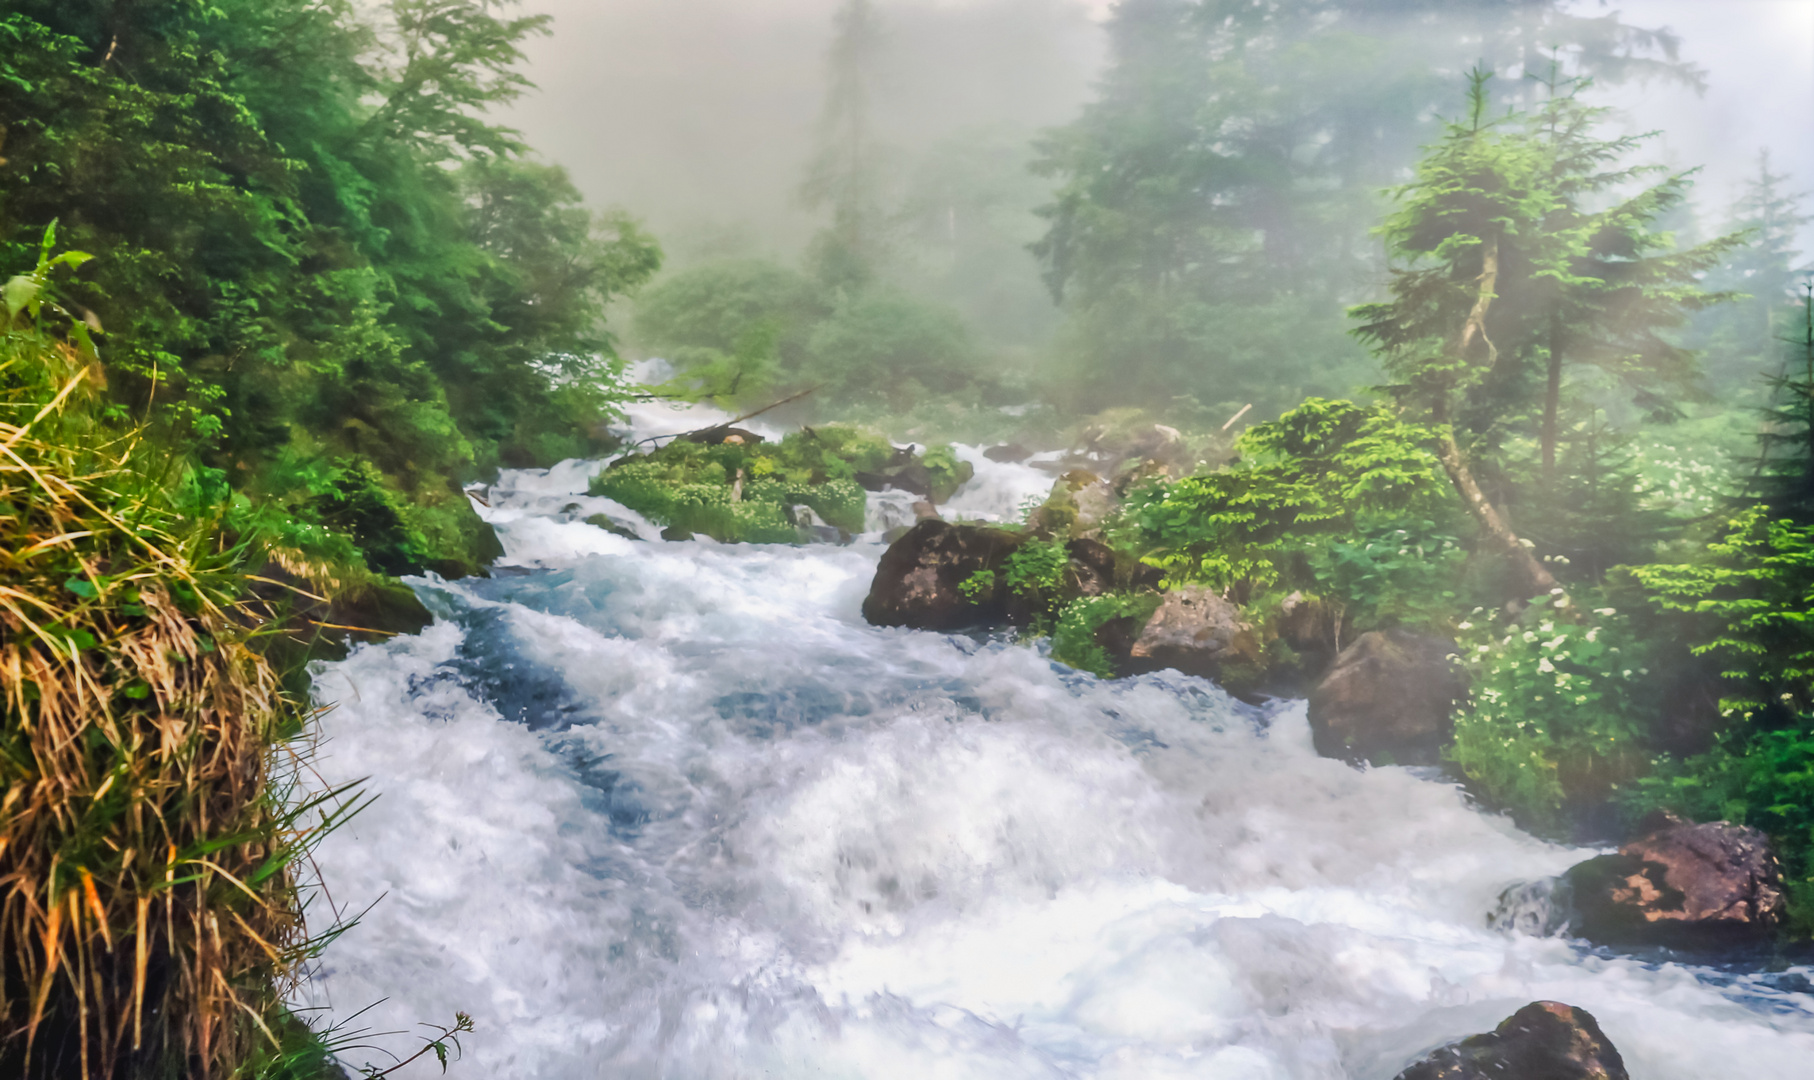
pixel 281 288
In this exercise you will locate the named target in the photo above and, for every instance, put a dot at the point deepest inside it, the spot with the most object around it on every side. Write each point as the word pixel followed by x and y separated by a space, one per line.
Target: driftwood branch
pixel 734 421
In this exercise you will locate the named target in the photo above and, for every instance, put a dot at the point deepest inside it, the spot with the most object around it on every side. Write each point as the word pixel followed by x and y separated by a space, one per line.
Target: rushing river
pixel 654 809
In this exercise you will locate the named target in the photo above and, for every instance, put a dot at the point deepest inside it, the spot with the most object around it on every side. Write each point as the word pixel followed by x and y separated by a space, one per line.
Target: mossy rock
pixel 741 492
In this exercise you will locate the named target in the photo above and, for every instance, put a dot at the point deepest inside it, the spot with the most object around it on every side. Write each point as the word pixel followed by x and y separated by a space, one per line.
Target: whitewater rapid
pixel 673 810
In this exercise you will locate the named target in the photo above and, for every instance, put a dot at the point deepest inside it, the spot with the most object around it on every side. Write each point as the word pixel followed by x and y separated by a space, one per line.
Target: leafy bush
pixel 735 492
pixel 1390 572
pixel 946 472
pixel 887 348
pixel 1747 600
pixel 1561 704
pixel 1304 477
pixel 1074 638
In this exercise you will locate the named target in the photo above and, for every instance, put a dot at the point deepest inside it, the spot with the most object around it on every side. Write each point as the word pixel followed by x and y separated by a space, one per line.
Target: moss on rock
pixel 743 492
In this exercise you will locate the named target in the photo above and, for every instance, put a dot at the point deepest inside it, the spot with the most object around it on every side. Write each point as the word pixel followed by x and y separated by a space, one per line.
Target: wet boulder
pixel 920 580
pixel 615 526
pixel 810 528
pixel 1008 453
pixel 1681 884
pixel 1545 1040
pixel 724 434
pixel 1310 626
pixel 1198 632
pixel 1078 504
pixel 933 479
pixel 1389 699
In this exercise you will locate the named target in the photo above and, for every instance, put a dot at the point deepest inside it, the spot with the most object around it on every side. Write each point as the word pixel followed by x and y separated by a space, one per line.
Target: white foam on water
pixel 673 810
pixel 998 491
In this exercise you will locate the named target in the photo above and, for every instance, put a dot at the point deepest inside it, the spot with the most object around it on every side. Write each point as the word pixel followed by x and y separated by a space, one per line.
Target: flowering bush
pixel 1561 700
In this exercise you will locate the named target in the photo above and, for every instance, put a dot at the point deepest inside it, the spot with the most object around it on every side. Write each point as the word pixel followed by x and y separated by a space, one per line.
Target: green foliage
pixel 1303 479
pixel 1211 203
pixel 312 243
pixel 979 586
pixel 735 330
pixel 1036 572
pixel 1742 341
pixel 1074 638
pixel 883 347
pixel 1390 571
pixel 743 331
pixel 1784 475
pixel 138 729
pixel 945 471
pixel 1561 704
pixel 1597 512
pixel 1750 603
pixel 736 492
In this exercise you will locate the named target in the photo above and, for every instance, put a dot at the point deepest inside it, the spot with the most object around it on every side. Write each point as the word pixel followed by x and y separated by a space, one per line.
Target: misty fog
pixel 699 115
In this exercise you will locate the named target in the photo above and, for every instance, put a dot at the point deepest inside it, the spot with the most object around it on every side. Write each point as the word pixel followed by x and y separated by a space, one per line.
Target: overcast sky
pixel 694 112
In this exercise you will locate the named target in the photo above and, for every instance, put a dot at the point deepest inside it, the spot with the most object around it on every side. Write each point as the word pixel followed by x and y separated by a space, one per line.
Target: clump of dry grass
pixel 149 915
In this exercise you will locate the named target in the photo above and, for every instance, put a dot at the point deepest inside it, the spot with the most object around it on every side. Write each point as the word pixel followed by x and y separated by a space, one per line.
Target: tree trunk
pixel 1552 399
pixel 1476 324
pixel 1531 578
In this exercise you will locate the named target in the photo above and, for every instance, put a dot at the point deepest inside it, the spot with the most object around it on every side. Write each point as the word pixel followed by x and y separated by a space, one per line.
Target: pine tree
pixel 844 174
pixel 1607 285
pixel 1474 211
pixel 1743 340
pixel 1209 217
pixel 1784 477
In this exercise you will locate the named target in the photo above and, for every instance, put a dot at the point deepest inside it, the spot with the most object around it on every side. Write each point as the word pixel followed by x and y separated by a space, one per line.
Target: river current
pixel 673 810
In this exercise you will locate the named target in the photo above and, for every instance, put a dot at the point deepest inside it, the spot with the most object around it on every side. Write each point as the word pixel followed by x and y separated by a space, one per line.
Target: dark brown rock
pixel 1198 632
pixel 1545 1040
pixel 727 434
pixel 1681 884
pixel 1309 625
pixel 919 580
pixel 1389 700
pixel 1094 568
pixel 913 476
pixel 1008 453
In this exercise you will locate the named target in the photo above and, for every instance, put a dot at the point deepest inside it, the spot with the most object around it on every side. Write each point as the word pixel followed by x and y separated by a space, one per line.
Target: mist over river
pixel 662 809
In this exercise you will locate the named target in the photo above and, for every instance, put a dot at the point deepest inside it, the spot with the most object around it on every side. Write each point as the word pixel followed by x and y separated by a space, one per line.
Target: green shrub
pixel 1035 573
pixel 1390 572
pixel 1561 702
pixel 1747 601
pixel 1074 638
pixel 1304 478
pixel 740 493
pixel 885 347
pixel 947 472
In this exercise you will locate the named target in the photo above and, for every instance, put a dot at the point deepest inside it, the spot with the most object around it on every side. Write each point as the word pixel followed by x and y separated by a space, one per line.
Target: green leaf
pixel 20 293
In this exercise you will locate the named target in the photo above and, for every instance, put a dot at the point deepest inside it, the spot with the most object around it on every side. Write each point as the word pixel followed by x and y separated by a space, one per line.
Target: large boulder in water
pixel 1198 632
pixel 1681 884
pixel 919 582
pixel 1389 700
pixel 1545 1040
